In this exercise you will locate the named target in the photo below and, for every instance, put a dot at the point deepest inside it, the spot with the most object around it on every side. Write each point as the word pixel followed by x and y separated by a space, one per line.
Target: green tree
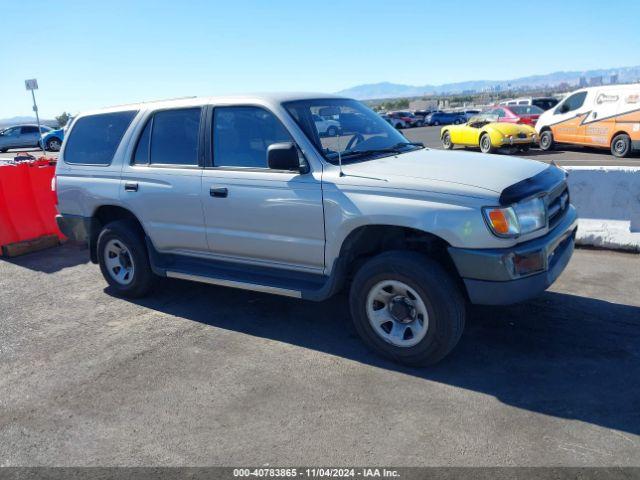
pixel 63 119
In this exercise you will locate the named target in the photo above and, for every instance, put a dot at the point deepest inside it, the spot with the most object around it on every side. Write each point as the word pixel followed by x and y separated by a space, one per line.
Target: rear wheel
pixel 546 140
pixel 485 143
pixel 405 306
pixel 446 141
pixel 621 145
pixel 123 259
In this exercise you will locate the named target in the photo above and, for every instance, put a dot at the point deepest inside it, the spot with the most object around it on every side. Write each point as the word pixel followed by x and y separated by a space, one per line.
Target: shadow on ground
pixel 561 355
pixel 67 256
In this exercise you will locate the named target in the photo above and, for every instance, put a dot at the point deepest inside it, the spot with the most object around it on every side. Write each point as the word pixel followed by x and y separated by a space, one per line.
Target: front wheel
pixel 405 306
pixel 123 259
pixel 53 145
pixel 546 141
pixel 485 143
pixel 446 141
pixel 621 145
pixel 332 131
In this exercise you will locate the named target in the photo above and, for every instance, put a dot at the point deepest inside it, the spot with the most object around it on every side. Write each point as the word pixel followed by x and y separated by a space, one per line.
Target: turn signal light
pixel 502 221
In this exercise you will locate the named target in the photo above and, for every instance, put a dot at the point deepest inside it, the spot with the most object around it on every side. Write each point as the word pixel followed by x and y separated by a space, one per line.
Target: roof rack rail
pixel 153 101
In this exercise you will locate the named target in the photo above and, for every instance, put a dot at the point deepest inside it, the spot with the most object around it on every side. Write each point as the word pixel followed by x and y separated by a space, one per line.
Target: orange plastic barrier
pixel 27 204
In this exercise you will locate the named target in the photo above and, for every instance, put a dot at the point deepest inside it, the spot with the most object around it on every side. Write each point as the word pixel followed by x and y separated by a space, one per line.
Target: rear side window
pixel 170 137
pixel 94 139
pixel 29 129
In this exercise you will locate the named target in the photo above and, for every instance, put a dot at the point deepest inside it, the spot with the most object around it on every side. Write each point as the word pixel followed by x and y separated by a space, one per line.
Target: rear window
pixel 94 139
pixel 526 110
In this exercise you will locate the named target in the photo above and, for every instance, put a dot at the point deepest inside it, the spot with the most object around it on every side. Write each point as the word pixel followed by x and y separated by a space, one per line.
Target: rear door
pixel 29 136
pixel 254 214
pixel 162 180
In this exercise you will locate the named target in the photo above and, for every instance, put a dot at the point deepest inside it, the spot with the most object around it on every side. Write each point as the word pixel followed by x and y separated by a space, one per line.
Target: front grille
pixel 557 204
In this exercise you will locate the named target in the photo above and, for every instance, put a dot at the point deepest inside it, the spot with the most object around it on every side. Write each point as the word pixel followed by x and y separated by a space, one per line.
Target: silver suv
pixel 245 192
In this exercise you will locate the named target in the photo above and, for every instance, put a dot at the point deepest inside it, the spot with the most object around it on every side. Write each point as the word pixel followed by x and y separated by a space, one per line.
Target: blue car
pixel 445 118
pixel 52 140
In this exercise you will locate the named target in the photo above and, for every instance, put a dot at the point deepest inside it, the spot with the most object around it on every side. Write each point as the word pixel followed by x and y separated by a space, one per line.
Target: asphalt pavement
pixel 204 375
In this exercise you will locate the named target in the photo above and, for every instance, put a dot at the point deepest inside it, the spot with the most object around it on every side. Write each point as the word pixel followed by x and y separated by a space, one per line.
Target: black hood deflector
pixel 544 181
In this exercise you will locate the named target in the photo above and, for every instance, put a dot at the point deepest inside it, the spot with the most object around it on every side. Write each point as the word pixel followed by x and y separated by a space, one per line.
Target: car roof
pixel 278 97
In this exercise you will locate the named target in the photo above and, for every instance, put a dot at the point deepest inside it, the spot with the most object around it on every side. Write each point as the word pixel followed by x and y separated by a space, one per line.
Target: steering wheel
pixel 356 139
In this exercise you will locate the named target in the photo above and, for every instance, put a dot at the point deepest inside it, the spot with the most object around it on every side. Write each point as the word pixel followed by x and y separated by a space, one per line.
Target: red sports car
pixel 527 114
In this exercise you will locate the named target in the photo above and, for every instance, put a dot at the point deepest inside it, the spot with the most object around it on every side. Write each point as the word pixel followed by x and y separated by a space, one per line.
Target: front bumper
pixel 489 275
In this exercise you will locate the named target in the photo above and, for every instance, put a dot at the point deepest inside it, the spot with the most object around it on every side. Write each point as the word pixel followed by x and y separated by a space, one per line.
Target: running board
pixel 235 284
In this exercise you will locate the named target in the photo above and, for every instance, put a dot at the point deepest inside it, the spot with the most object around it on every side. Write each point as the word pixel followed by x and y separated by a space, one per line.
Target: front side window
pixel 241 136
pixel 356 132
pixel 95 138
pixel 572 103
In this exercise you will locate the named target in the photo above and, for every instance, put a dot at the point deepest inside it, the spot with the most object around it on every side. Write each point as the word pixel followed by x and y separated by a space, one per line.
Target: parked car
pixel 470 113
pixel 258 201
pixel 604 117
pixel 396 123
pixel 326 127
pixel 485 131
pixel 408 118
pixel 423 113
pixel 545 103
pixel 527 114
pixel 444 118
pixel 52 140
pixel 21 136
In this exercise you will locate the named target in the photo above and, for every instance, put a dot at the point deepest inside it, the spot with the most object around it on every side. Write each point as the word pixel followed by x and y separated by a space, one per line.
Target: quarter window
pixel 241 136
pixel 572 103
pixel 94 139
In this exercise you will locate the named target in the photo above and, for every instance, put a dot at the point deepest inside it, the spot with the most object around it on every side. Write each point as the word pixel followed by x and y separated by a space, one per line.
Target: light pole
pixel 32 85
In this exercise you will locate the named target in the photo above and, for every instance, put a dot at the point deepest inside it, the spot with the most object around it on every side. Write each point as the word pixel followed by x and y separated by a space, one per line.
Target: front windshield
pixel 347 129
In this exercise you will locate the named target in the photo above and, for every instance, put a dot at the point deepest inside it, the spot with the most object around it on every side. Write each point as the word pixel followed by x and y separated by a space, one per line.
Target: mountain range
pixel 393 90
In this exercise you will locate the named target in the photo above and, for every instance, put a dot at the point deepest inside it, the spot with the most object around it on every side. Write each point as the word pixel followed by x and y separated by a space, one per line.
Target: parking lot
pixel 430 136
pixel 202 375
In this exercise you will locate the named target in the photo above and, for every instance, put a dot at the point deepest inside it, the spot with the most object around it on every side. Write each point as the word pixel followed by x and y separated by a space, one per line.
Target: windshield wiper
pixel 397 148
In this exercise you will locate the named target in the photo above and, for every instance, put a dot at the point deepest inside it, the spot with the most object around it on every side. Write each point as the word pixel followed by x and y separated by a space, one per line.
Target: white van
pixel 545 103
pixel 606 117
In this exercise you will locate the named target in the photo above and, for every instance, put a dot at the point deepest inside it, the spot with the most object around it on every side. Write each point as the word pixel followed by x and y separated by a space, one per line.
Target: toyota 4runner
pixel 245 192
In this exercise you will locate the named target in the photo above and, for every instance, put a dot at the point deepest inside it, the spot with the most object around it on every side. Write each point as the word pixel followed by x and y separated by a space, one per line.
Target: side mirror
pixel 283 156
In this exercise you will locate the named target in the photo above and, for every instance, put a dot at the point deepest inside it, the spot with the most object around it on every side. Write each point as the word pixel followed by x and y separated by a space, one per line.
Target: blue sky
pixel 89 54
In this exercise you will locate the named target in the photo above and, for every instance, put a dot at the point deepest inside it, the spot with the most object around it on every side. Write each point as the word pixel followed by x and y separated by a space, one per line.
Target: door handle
pixel 131 187
pixel 218 192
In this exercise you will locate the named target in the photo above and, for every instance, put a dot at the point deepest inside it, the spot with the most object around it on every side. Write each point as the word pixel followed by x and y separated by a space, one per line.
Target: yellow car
pixel 485 132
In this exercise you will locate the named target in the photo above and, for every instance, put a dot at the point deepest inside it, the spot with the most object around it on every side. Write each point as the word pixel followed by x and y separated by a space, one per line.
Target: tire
pixel 546 141
pixel 457 122
pixel 436 123
pixel 430 292
pixel 332 131
pixel 446 141
pixel 485 143
pixel 53 144
pixel 621 145
pixel 124 239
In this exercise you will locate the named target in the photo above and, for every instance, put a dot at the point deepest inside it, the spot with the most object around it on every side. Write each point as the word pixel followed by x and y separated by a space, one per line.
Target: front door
pixel 568 117
pixel 254 214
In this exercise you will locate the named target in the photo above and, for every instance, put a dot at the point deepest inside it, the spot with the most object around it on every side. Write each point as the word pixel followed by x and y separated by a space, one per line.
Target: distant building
pixel 613 79
pixel 583 82
pixel 422 104
pixel 596 81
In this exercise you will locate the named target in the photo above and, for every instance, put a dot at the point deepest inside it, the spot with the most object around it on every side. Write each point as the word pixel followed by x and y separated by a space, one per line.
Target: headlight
pixel 518 219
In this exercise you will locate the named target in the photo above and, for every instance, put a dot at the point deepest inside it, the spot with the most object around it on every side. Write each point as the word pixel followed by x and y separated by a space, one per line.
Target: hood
pixel 463 173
